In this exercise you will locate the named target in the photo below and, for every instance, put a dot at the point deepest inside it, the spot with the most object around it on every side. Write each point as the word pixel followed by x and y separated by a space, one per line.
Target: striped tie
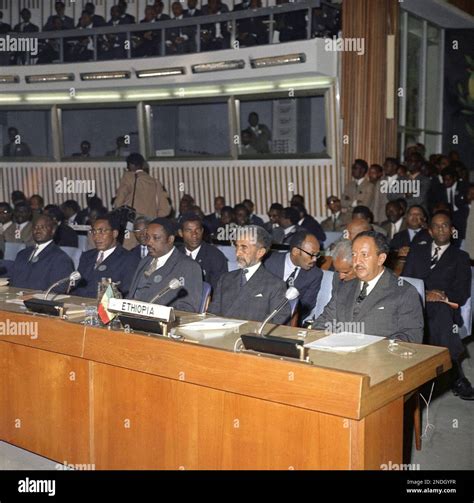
pixel 435 257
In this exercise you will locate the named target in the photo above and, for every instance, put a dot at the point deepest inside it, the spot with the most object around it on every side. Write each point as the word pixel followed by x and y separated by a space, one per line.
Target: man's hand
pixel 403 251
pixel 435 296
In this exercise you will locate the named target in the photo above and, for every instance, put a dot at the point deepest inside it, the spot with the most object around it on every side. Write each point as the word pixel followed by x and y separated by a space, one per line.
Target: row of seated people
pixel 249 31
pixel 366 291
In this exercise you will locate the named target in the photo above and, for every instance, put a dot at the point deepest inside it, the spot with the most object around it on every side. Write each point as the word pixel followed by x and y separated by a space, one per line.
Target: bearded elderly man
pixel 375 299
pixel 251 292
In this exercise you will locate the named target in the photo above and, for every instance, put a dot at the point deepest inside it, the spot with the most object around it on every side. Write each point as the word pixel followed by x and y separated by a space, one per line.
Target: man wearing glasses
pixel 298 268
pixel 108 260
pixel 38 267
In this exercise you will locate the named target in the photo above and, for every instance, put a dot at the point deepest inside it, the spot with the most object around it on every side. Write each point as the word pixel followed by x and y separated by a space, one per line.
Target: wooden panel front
pixel 148 422
pixel 44 399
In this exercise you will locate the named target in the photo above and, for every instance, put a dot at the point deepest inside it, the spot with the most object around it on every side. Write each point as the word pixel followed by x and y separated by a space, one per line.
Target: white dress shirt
pixel 395 227
pixel 289 229
pixel 441 250
pixel 371 284
pixel 162 260
pixel 193 254
pixel 289 268
pixel 108 252
pixel 39 248
pixel 251 270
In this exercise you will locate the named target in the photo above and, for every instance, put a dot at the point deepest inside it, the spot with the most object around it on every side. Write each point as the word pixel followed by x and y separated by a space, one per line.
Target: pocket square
pixel 381 307
pixel 259 295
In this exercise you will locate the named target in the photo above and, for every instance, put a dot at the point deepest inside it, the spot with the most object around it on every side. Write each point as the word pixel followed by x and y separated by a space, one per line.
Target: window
pixel 25 133
pixel 110 132
pixel 421 77
pixel 190 130
pixel 292 127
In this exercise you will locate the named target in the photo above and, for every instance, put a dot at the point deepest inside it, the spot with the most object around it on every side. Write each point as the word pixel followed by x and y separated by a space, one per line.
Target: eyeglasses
pixel 99 231
pixel 312 255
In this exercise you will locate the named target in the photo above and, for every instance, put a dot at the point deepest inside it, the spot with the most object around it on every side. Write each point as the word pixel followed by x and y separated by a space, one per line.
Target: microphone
pixel 174 284
pixel 291 294
pixel 74 276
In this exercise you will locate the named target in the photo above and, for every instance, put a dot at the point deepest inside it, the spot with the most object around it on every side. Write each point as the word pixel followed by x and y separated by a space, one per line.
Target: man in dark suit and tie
pixel 164 263
pixel 38 267
pixel 253 219
pixel 376 302
pixel 454 193
pixel 212 261
pixel 298 268
pixel 309 223
pixel 414 233
pixel 446 272
pixel 139 231
pixel 67 23
pixel 337 221
pixel 251 292
pixel 288 226
pixel 25 26
pixel 395 221
pixel 212 220
pixel 108 260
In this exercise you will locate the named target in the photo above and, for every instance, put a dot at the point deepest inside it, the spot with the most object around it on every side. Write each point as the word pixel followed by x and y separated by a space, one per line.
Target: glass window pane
pixel 414 65
pixel 283 126
pixel 26 133
pixel 111 132
pixel 190 130
pixel 433 144
pixel 433 80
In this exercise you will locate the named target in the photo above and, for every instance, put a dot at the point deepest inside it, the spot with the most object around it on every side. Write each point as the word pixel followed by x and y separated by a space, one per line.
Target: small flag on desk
pixel 106 316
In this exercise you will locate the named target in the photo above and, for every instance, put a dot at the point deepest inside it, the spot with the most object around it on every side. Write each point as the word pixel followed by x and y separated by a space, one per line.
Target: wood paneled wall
pixel 364 81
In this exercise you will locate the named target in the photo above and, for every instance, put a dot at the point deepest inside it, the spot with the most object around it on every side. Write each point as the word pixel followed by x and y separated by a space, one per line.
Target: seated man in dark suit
pixel 307 222
pixel 288 226
pixel 253 219
pixel 395 221
pixel 64 236
pixel 212 220
pixel 274 214
pixel 38 267
pixel 67 23
pixel 251 292
pixel 375 302
pixel 108 260
pixel 414 233
pixel 212 261
pixel 164 263
pixel 298 268
pixel 139 231
pixel 446 272
pixel 337 221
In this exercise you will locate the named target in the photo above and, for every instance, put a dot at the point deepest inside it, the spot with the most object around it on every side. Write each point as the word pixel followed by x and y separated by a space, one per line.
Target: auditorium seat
pixel 331 237
pixel 229 252
pixel 324 295
pixel 418 284
pixel 12 249
pixel 74 253
pixel 206 296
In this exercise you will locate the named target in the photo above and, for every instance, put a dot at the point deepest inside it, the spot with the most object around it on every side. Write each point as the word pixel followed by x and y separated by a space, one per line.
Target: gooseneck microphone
pixel 174 284
pixel 74 276
pixel 291 294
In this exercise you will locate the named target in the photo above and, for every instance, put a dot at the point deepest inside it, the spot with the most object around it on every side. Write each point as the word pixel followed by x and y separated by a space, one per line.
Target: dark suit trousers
pixel 441 329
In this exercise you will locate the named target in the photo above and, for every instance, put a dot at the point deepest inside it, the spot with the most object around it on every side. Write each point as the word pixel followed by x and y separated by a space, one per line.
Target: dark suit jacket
pixel 212 261
pixel 390 310
pixel 311 225
pixel 52 264
pixel 137 252
pixel 65 236
pixel 212 222
pixel 402 238
pixel 187 298
pixel 307 282
pixel 67 23
pixel 439 193
pixel 29 28
pixel 452 273
pixel 278 235
pixel 4 28
pixel 254 301
pixel 387 226
pixel 255 220
pixel 120 266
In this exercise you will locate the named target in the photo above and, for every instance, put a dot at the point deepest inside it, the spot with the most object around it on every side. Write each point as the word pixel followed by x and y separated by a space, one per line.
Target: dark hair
pixel 364 211
pixel 136 159
pixel 291 214
pixel 298 196
pixel 22 204
pixel 330 198
pixel 227 209
pixel 263 238
pixel 381 242
pixel 37 196
pixel 393 160
pixel 94 202
pixel 377 167
pixel 362 163
pixel 299 208
pixel 241 206
pixel 111 219
pixel 276 206
pixel 425 214
pixel 449 171
pixel 166 224
pixel 445 213
pixel 7 206
pixel 72 204
pixel 17 195
pixel 190 217
pixel 299 238
pixel 55 211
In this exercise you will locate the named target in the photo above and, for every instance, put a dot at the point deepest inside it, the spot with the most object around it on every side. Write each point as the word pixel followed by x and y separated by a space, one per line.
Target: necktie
pixel 394 230
pixel 290 281
pixel 100 259
pixel 360 298
pixel 450 195
pixel 144 250
pixel 152 267
pixel 435 257
pixel 334 222
pixel 243 277
pixel 33 253
pixel 189 254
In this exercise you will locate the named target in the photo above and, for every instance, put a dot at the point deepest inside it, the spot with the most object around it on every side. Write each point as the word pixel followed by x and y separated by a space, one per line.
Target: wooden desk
pixel 92 396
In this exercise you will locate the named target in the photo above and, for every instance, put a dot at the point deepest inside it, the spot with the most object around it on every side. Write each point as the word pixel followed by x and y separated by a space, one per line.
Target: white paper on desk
pixel 344 342
pixel 4 281
pixel 51 296
pixel 211 327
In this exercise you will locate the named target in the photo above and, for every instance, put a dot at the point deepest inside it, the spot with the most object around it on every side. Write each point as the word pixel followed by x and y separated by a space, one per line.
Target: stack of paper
pixel 211 327
pixel 344 342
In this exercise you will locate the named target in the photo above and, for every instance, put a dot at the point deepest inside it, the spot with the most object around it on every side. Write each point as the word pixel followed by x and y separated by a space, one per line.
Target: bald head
pixel 356 226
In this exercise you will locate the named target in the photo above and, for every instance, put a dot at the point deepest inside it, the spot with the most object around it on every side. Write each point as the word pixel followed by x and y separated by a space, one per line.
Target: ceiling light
pixel 105 75
pixel 9 79
pixel 162 72
pixel 54 77
pixel 219 66
pixel 287 59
